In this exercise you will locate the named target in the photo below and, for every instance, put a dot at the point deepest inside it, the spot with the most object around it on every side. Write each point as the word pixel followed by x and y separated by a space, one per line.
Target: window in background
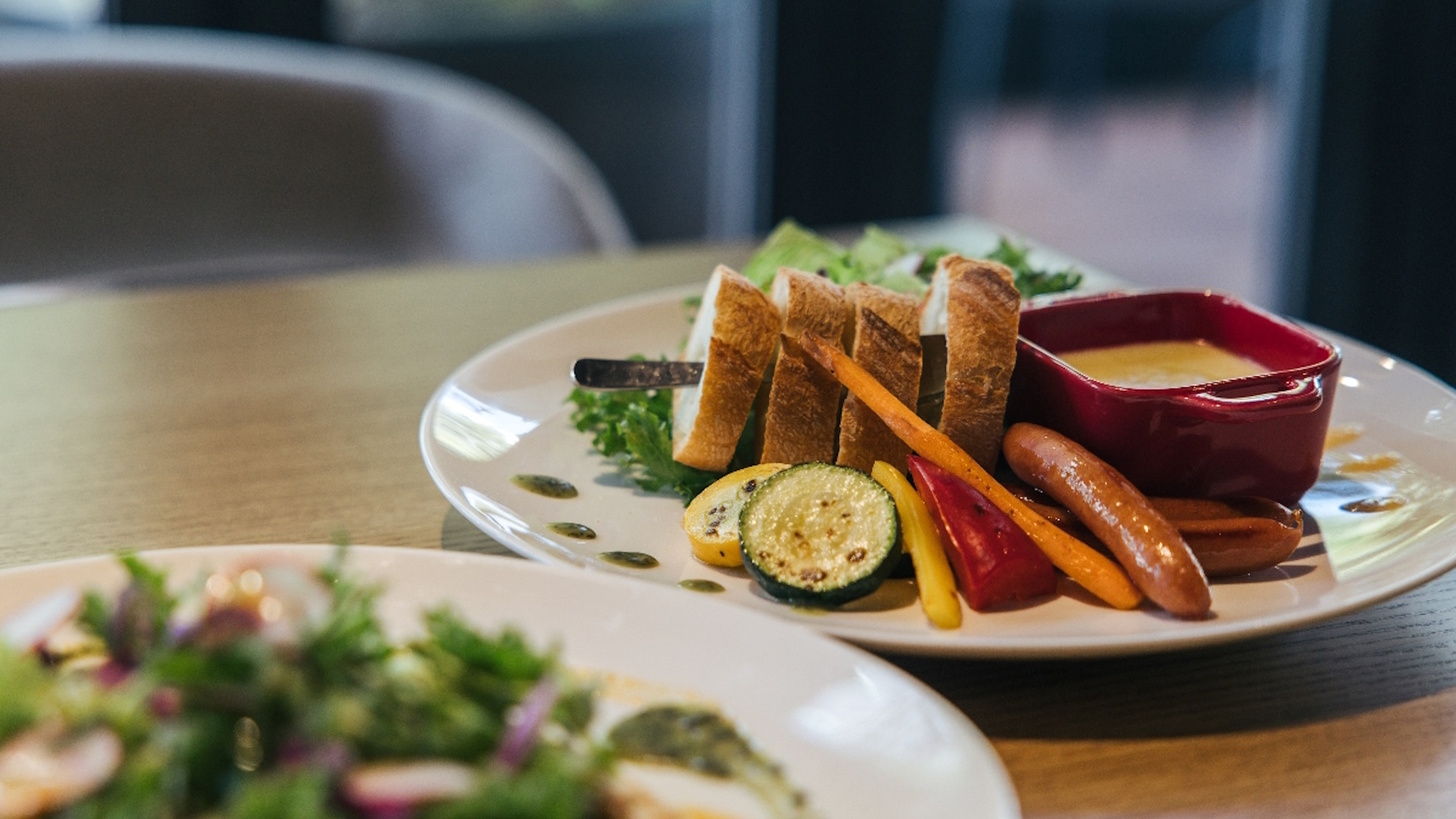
pixel 52 13
pixel 1148 138
pixel 663 95
pixel 1378 214
pixel 298 19
pixel 1141 137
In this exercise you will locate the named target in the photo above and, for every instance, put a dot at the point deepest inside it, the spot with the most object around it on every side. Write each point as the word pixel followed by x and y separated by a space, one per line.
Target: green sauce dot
pixel 631 560
pixel 575 530
pixel 545 485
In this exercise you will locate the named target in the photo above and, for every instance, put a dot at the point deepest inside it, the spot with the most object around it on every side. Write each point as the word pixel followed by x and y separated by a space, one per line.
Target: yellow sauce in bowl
pixel 1161 364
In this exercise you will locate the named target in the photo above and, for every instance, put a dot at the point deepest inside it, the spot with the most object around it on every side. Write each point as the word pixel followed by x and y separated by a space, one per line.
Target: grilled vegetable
pixel 1093 570
pixel 819 534
pixel 711 520
pixel 933 574
pixel 995 562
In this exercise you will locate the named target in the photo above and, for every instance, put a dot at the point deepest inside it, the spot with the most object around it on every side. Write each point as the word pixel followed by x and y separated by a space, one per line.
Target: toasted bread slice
pixel 733 335
pixel 883 337
pixel 802 408
pixel 976 304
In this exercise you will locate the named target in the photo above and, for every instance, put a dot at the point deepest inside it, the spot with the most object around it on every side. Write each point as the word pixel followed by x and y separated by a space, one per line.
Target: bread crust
pixel 733 335
pixel 899 310
pixel 801 412
pixel 983 315
pixel 882 338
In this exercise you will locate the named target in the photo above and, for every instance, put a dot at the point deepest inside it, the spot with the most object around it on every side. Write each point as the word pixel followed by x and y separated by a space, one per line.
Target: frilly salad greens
pixel 883 258
pixel 272 691
pixel 634 428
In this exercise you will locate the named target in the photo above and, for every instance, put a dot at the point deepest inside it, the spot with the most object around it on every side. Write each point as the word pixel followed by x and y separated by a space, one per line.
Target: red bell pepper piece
pixel 994 561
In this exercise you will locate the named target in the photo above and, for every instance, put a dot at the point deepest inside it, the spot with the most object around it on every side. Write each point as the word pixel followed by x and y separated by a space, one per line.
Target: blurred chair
pixel 135 156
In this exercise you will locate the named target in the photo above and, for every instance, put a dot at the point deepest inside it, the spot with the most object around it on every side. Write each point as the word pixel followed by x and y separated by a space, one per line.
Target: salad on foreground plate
pixel 272 690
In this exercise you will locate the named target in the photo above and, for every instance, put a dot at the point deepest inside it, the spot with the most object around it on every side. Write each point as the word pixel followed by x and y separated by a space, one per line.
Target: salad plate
pixel 1380 521
pixel 858 736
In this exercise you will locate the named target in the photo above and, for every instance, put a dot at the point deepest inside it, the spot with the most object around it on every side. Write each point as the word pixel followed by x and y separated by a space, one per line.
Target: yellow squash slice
pixel 711 520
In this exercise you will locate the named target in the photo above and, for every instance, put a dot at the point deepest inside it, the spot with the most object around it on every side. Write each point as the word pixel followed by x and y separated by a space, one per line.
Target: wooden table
pixel 287 411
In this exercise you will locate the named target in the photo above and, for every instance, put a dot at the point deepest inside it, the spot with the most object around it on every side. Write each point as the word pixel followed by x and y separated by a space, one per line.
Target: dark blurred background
pixel 1298 153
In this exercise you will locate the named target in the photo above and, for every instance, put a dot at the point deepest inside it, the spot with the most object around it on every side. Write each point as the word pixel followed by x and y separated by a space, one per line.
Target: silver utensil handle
pixel 619 374
pixel 611 374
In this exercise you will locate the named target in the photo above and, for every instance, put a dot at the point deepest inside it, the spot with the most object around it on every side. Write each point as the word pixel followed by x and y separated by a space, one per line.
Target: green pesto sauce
pixel 631 560
pixel 703 741
pixel 545 485
pixel 697 585
pixel 574 530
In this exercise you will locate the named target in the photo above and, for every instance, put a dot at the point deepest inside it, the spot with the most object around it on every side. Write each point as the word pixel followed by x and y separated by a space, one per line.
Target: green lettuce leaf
pixel 792 245
pixel 1029 280
pixel 888 260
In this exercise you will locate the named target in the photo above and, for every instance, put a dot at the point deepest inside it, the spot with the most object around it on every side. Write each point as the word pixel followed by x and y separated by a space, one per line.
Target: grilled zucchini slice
pixel 819 534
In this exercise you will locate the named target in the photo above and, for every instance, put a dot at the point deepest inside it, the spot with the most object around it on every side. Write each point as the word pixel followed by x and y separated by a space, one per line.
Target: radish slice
pixel 390 788
pixel 41 771
pixel 282 598
pixel 27 629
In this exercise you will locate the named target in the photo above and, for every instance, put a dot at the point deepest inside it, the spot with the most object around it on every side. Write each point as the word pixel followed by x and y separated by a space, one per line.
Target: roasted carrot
pixel 933 576
pixel 1091 569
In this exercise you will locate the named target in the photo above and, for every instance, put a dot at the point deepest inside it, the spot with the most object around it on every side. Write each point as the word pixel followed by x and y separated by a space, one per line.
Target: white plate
pixel 503 413
pixel 859 736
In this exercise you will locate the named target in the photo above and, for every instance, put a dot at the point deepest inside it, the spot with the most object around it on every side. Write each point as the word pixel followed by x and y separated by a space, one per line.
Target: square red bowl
pixel 1257 435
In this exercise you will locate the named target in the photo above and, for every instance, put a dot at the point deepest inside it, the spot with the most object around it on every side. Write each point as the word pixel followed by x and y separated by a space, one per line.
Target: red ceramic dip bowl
pixel 1257 435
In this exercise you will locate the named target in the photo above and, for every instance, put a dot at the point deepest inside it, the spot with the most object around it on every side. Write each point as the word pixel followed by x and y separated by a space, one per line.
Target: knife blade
pixel 617 374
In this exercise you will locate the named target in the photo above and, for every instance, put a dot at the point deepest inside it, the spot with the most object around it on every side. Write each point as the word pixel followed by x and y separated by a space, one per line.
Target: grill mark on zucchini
pixel 819 534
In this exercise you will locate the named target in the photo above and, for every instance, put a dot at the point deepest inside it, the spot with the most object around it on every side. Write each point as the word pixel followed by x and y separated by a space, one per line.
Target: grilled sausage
pixel 1229 537
pixel 1143 541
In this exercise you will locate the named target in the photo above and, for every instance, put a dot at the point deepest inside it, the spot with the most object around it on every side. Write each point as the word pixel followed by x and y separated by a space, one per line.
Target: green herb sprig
pixel 634 428
pixel 1029 280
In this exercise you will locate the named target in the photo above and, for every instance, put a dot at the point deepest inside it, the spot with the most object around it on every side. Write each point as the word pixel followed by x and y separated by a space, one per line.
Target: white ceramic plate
pixel 504 413
pixel 860 737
